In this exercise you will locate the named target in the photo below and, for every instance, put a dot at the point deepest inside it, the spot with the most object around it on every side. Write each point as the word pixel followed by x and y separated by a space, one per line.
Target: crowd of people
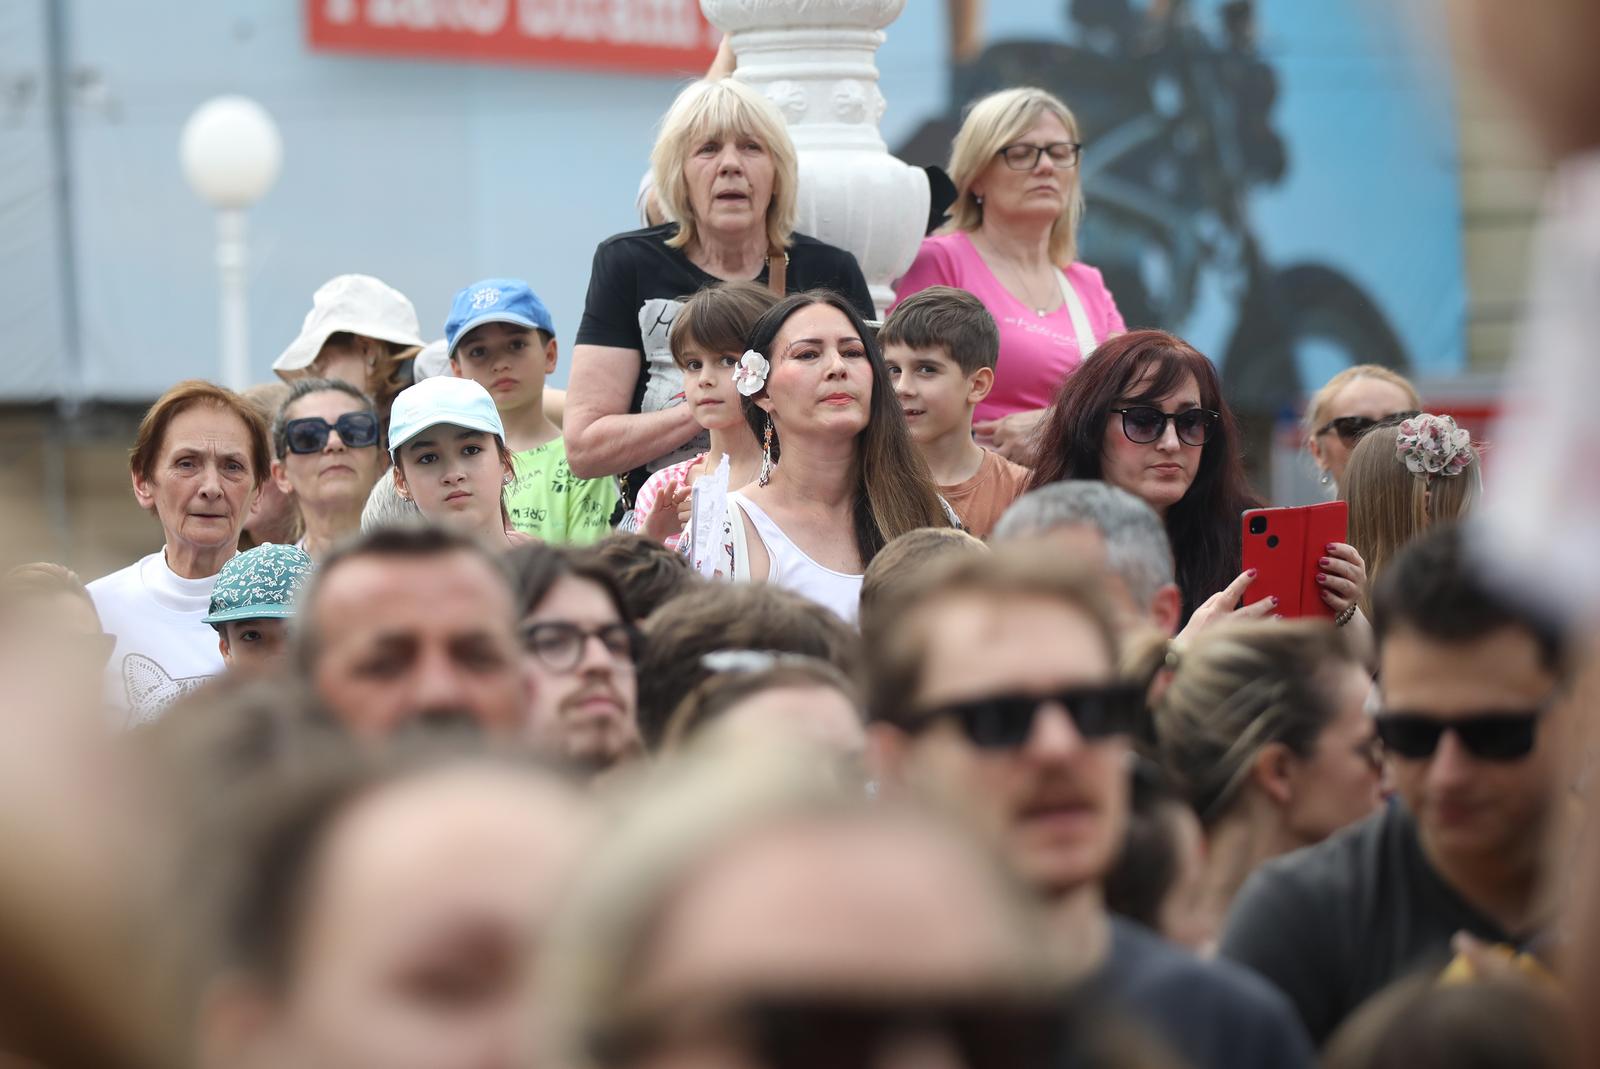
pixel 460 722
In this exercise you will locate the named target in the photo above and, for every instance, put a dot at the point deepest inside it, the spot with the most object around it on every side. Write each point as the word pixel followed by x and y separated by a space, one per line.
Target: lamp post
pixel 231 154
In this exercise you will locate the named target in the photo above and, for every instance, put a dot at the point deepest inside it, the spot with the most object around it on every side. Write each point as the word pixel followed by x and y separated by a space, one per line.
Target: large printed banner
pixel 638 36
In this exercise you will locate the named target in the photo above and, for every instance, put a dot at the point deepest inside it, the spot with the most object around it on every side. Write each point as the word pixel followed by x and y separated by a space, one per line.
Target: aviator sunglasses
pixel 1004 721
pixel 1501 736
pixel 1143 424
pixel 357 430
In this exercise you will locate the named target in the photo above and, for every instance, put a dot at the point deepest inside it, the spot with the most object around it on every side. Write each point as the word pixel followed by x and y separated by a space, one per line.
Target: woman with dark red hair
pixel 1145 413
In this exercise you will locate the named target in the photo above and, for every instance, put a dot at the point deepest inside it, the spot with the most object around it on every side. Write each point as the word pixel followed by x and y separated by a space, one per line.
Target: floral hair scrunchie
pixel 750 374
pixel 1433 445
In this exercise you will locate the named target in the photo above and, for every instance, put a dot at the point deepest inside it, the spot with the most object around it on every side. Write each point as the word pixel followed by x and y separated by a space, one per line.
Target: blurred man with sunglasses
pixel 325 445
pixel 1476 724
pixel 999 689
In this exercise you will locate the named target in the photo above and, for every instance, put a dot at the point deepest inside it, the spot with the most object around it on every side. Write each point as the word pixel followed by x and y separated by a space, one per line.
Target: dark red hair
pixel 1203 525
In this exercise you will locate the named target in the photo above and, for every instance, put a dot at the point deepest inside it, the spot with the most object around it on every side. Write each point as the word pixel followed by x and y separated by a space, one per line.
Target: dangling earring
pixel 766 455
pixel 1326 478
pixel 978 197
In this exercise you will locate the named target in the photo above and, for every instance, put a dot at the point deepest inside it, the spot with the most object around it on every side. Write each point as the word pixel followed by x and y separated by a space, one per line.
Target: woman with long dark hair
pixel 1146 413
pixel 840 476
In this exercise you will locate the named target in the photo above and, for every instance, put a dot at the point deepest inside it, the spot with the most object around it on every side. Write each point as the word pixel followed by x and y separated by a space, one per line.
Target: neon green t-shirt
pixel 547 501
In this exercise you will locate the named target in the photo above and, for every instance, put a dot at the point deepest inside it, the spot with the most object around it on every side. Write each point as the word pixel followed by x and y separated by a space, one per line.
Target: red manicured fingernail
pixel 1329 547
pixel 1274 600
pixel 1251 573
pixel 1324 562
pixel 1321 578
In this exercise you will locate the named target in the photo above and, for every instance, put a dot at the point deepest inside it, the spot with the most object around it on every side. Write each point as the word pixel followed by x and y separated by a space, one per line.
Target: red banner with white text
pixel 640 36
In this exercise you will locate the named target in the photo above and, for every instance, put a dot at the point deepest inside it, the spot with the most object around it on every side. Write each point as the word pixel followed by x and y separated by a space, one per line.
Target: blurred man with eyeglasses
pixel 580 649
pixel 1477 725
pixel 410 624
pixel 998 689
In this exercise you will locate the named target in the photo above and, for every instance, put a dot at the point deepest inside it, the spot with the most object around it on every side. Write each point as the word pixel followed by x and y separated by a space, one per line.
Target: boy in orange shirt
pixel 941 345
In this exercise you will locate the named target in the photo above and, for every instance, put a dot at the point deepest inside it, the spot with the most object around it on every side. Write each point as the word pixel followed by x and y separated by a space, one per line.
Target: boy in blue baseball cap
pixel 501 335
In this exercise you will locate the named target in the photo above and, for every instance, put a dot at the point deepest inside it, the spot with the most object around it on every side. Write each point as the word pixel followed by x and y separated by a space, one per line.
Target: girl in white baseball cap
pixel 450 458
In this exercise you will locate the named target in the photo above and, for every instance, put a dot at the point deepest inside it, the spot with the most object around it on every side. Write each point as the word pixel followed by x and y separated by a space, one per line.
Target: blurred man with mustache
pixel 998 689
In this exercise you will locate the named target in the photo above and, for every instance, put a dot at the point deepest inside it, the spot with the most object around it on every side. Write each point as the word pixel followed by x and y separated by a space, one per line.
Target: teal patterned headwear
pixel 260 583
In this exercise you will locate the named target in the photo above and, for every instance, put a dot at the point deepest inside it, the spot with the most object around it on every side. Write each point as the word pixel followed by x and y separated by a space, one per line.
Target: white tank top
pixel 793 570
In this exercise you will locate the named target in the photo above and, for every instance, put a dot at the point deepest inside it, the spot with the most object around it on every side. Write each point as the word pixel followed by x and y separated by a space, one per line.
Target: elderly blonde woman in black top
pixel 725 169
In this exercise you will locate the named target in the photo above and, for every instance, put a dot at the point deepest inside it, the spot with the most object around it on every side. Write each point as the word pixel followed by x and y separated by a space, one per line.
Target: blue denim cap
pixel 495 300
pixel 259 584
pixel 445 399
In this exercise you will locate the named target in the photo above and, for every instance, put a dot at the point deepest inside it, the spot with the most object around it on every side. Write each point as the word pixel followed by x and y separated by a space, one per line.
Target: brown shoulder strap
pixel 778 272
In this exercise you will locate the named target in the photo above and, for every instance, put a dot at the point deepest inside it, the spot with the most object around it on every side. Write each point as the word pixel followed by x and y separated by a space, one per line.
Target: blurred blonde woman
pixel 1265 731
pixel 1348 406
pixel 1403 478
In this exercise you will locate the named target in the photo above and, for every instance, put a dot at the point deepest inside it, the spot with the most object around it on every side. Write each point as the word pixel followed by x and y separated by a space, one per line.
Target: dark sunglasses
pixel 357 430
pixel 1491 737
pixel 1143 424
pixel 1004 721
pixel 1350 429
pixel 810 1031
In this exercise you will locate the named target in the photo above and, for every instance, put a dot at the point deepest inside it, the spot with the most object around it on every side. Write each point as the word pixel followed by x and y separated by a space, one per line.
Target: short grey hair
pixel 1137 549
pixel 386 508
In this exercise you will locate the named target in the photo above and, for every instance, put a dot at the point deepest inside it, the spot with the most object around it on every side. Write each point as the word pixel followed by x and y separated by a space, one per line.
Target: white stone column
pixel 816 60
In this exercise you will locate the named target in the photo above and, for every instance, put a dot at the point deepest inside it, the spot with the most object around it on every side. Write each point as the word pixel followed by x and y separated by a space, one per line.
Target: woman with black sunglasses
pixel 1348 406
pixel 325 448
pixel 1145 413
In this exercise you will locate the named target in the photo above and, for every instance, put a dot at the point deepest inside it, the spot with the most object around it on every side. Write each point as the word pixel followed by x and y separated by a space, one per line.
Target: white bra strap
pixel 1080 317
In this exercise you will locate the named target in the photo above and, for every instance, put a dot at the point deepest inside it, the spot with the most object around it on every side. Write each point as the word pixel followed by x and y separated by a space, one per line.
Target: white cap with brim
pixel 354 304
pixel 442 400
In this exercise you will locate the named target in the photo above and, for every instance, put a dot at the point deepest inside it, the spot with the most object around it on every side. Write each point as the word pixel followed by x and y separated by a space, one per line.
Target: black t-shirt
pixel 1334 923
pixel 637 284
pixel 1213 1014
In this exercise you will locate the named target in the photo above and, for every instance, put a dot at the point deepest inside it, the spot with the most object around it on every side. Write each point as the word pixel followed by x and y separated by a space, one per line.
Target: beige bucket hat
pixel 357 304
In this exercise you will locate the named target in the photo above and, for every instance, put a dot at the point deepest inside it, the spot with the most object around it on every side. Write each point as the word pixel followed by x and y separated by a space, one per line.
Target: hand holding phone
pixel 1285 547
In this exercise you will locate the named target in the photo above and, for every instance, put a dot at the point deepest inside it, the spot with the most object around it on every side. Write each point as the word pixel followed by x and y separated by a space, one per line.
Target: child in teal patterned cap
pixel 252 603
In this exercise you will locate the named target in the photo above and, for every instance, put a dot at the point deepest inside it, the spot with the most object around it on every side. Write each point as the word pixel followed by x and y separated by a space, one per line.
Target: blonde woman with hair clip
pixel 1264 730
pixel 1348 406
pixel 1402 479
pixel 1012 242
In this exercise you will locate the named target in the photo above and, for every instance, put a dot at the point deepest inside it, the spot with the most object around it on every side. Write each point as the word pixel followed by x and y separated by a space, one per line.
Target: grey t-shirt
pixel 1213 1014
pixel 1334 923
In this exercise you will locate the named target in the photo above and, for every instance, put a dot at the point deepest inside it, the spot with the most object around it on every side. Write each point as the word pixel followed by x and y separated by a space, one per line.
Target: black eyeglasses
pixel 1026 157
pixel 1004 721
pixel 805 1031
pixel 1143 424
pixel 1350 429
pixel 1504 736
pixel 560 644
pixel 357 430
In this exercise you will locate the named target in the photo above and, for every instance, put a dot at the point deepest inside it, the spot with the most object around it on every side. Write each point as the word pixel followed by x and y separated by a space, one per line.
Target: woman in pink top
pixel 1012 242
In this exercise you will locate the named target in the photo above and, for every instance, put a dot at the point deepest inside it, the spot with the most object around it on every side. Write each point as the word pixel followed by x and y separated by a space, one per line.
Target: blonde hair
pixel 994 122
pixel 1237 689
pixel 1390 506
pixel 718 109
pixel 1317 407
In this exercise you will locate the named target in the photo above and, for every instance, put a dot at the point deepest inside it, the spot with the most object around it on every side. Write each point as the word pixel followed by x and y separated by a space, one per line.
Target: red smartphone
pixel 1283 546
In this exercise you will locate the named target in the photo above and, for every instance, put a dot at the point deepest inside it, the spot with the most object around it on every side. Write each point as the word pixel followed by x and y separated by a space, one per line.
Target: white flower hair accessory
pixel 750 374
pixel 1433 445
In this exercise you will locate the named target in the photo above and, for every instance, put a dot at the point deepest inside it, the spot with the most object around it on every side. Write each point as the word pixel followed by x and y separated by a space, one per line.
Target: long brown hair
pixel 895 490
pixel 1203 525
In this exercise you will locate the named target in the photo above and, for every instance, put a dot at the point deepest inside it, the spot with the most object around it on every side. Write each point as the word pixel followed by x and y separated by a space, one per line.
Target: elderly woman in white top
pixel 724 168
pixel 840 477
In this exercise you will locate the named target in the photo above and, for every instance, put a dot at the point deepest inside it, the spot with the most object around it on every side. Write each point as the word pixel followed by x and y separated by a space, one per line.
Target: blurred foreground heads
pixel 749 913
pixel 380 913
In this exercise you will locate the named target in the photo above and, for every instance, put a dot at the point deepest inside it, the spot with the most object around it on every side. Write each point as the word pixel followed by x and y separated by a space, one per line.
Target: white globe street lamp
pixel 231 154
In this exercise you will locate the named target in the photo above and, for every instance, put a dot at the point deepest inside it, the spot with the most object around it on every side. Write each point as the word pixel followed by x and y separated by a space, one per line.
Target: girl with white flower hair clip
pixel 839 476
pixel 1405 476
